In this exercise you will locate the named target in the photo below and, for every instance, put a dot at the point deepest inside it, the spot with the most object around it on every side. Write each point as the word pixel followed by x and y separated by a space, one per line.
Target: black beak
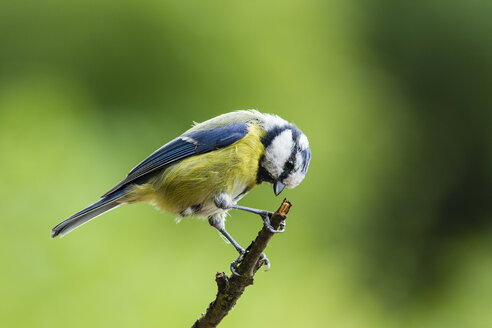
pixel 278 187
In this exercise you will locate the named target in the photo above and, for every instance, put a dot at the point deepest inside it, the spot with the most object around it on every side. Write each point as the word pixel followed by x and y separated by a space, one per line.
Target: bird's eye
pixel 289 165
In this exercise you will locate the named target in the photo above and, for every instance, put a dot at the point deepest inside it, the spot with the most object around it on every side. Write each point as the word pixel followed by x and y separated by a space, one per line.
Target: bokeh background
pixel 391 228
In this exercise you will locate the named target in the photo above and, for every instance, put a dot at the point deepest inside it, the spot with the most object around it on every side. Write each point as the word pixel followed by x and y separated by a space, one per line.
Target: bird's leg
pixel 241 252
pixel 224 201
pixel 231 240
pixel 217 221
pixel 265 215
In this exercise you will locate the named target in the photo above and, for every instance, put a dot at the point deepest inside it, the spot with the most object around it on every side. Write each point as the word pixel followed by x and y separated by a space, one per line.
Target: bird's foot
pixel 265 215
pixel 266 261
pixel 263 260
pixel 236 262
pixel 266 222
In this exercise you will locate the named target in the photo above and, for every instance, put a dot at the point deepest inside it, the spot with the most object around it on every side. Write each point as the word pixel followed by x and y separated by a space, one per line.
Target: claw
pixel 266 261
pixel 266 222
pixel 235 263
pixel 238 260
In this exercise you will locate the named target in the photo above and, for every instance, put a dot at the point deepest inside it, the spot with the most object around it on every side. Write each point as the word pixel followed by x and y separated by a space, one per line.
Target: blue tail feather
pixel 90 212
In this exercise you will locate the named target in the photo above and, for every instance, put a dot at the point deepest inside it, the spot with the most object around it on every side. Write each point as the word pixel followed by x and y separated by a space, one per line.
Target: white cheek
pixel 278 153
pixel 294 179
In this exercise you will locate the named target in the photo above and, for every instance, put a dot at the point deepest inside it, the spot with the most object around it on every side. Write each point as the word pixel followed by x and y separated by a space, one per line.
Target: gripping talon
pixel 235 263
pixel 266 222
pixel 266 261
pixel 238 260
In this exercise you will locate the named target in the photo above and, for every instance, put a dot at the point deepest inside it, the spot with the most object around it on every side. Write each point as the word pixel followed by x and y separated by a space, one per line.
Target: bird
pixel 205 171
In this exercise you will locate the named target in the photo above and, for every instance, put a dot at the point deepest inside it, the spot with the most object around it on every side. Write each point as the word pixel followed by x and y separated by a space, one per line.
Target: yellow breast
pixel 198 179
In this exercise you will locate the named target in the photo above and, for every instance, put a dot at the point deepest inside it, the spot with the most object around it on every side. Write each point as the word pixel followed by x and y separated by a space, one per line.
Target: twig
pixel 231 288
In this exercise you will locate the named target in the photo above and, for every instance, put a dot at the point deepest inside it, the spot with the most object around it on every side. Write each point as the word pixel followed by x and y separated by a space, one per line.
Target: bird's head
pixel 286 158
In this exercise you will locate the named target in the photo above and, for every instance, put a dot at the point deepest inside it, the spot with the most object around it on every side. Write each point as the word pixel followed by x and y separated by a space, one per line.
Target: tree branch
pixel 231 288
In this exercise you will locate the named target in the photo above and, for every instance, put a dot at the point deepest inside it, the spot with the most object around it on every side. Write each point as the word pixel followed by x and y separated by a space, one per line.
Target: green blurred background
pixel 391 228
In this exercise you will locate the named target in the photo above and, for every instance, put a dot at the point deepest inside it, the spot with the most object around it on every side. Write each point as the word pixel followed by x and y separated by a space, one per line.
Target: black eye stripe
pixel 289 164
pixel 296 135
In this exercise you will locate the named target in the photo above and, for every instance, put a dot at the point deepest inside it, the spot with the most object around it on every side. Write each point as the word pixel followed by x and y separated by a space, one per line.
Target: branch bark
pixel 231 288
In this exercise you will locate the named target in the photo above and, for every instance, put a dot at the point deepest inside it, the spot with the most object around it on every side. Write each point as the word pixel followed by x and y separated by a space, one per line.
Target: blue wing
pixel 194 143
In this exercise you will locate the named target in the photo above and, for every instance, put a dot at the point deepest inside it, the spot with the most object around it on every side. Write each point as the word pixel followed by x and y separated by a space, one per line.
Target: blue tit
pixel 209 168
